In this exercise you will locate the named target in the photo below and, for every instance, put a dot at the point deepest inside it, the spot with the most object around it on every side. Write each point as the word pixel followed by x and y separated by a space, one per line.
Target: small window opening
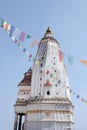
pixel 42 58
pixel 48 92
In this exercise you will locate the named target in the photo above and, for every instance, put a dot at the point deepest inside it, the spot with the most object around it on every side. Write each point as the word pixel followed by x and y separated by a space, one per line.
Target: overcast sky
pixel 68 22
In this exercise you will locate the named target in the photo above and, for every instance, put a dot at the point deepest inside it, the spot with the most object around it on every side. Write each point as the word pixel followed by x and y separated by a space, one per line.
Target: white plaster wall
pixel 24 87
pixel 50 52
pixel 24 95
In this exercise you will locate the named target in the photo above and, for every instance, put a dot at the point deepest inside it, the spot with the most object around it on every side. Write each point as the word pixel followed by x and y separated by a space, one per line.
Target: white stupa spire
pixel 49 77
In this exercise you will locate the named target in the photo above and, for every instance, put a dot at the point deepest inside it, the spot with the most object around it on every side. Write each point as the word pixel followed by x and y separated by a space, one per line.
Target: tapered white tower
pixel 44 98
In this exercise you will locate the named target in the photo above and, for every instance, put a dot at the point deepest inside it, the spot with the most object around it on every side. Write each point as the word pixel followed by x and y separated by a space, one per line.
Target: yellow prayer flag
pixel 36 62
pixel 55 78
pixel 84 62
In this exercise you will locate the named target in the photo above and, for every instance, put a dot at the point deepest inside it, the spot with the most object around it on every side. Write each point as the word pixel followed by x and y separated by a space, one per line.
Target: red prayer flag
pixel 47 72
pixel 60 56
pixel 30 56
pixel 34 43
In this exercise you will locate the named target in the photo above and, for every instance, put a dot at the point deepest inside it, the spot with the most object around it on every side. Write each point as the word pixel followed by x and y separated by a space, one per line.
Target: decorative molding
pixel 28 90
pixel 48 112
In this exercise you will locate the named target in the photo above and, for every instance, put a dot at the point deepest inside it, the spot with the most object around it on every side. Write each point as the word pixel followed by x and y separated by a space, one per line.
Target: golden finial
pixel 48 31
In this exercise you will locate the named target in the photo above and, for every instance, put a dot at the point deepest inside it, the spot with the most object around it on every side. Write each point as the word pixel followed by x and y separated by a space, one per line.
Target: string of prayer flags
pixel 84 62
pixel 19 36
pixel 77 96
pixel 14 33
pixel 70 59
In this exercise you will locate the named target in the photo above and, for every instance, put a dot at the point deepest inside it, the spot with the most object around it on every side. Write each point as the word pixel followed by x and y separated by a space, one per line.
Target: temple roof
pixel 26 81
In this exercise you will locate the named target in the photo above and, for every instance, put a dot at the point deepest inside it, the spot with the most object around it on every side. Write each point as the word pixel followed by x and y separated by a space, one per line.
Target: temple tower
pixel 44 99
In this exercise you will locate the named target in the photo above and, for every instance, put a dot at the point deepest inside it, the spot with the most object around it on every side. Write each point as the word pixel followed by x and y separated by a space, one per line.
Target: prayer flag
pixel 6 26
pixel 11 30
pixel 19 44
pixel 54 78
pixel 30 56
pixel 22 36
pixel 67 87
pixel 28 36
pixel 15 41
pixel 1 22
pixel 34 43
pixel 47 72
pixel 61 56
pixel 51 75
pixel 70 90
pixel 84 62
pixel 59 81
pixel 82 99
pixel 74 93
pixel 78 96
pixel 85 101
pixel 15 34
pixel 70 59
pixel 36 62
pixel 24 49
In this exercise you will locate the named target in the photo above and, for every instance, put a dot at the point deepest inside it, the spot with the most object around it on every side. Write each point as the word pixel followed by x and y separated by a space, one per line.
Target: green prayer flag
pixel 1 22
pixel 70 59
pixel 28 36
